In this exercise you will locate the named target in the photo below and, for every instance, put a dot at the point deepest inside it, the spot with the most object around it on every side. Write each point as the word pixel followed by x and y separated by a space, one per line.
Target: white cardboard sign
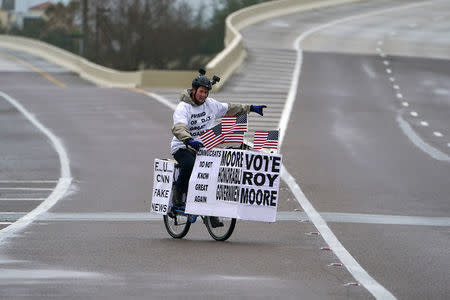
pixel 163 173
pixel 235 184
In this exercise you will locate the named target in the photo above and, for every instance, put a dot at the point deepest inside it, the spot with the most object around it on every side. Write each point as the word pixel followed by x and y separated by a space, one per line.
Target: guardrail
pixel 224 64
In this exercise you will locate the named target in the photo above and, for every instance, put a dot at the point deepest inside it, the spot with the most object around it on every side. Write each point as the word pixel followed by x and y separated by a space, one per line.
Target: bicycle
pixel 178 223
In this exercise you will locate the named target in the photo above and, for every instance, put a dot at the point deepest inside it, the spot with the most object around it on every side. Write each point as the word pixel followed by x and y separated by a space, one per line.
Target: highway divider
pixel 224 64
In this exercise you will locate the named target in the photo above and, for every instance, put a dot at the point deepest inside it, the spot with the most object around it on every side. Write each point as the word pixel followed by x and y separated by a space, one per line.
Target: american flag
pixel 234 124
pixel 212 137
pixel 235 137
pixel 266 139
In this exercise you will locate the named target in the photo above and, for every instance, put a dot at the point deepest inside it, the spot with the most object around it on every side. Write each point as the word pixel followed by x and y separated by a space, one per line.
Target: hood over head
pixel 186 97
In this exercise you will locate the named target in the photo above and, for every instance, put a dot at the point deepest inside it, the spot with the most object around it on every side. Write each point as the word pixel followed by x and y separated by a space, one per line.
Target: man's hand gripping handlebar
pixel 194 144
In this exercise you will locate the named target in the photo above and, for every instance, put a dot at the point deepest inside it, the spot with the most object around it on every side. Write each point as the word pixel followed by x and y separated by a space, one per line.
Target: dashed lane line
pixel 409 131
pixel 361 275
pixel 417 140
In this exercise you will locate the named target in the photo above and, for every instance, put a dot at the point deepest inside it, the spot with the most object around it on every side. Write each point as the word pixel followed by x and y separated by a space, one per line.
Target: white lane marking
pixel 392 79
pixel 63 183
pixel 100 216
pixel 22 199
pixel 10 216
pixel 386 219
pixel 411 134
pixel 12 276
pixel 28 181
pixel 377 290
pixel 281 216
pixel 24 189
pixel 405 104
pixel 361 275
pixel 412 113
pixel 162 100
pixel 448 145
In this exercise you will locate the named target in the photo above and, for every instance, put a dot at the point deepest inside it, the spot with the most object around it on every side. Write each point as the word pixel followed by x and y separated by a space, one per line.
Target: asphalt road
pixel 367 146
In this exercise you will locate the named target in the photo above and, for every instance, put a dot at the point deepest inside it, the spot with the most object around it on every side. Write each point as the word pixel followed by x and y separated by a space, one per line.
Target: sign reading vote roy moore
pixel 235 184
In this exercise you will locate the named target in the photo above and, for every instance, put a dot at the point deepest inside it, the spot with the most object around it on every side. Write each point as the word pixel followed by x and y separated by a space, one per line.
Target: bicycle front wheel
pixel 221 233
pixel 177 226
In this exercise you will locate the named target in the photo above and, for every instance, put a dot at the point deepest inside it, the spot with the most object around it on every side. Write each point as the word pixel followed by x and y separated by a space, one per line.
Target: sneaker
pixel 215 222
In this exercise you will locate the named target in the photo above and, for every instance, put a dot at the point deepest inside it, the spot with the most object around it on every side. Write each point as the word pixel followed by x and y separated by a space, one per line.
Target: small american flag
pixel 235 137
pixel 266 139
pixel 234 124
pixel 212 137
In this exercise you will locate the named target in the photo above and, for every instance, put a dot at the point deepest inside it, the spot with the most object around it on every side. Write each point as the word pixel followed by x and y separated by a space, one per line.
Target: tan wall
pixel 223 65
pixel 167 78
pixel 4 18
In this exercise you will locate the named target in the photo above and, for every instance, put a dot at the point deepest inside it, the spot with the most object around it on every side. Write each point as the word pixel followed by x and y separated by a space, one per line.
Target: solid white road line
pixel 361 275
pixel 22 199
pixel 28 181
pixel 377 290
pixel 24 189
pixel 63 183
pixel 163 100
pixel 421 144
pixel 281 216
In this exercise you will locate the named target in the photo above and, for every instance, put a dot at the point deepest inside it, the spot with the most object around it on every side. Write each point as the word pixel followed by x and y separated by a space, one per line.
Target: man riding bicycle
pixel 195 114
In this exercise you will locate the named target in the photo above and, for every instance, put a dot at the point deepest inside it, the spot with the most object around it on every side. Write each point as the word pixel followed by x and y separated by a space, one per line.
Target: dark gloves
pixel 194 144
pixel 258 109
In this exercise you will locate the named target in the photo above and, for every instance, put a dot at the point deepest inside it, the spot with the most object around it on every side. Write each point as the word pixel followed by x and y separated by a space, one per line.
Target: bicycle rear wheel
pixel 220 233
pixel 177 226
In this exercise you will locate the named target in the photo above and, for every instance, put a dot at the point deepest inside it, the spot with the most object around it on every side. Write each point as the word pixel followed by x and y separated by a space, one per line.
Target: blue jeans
pixel 185 159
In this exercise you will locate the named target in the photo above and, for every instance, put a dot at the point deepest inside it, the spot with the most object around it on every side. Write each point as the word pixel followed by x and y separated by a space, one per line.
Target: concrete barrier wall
pixel 223 65
pixel 86 69
pixel 229 60
pixel 167 78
